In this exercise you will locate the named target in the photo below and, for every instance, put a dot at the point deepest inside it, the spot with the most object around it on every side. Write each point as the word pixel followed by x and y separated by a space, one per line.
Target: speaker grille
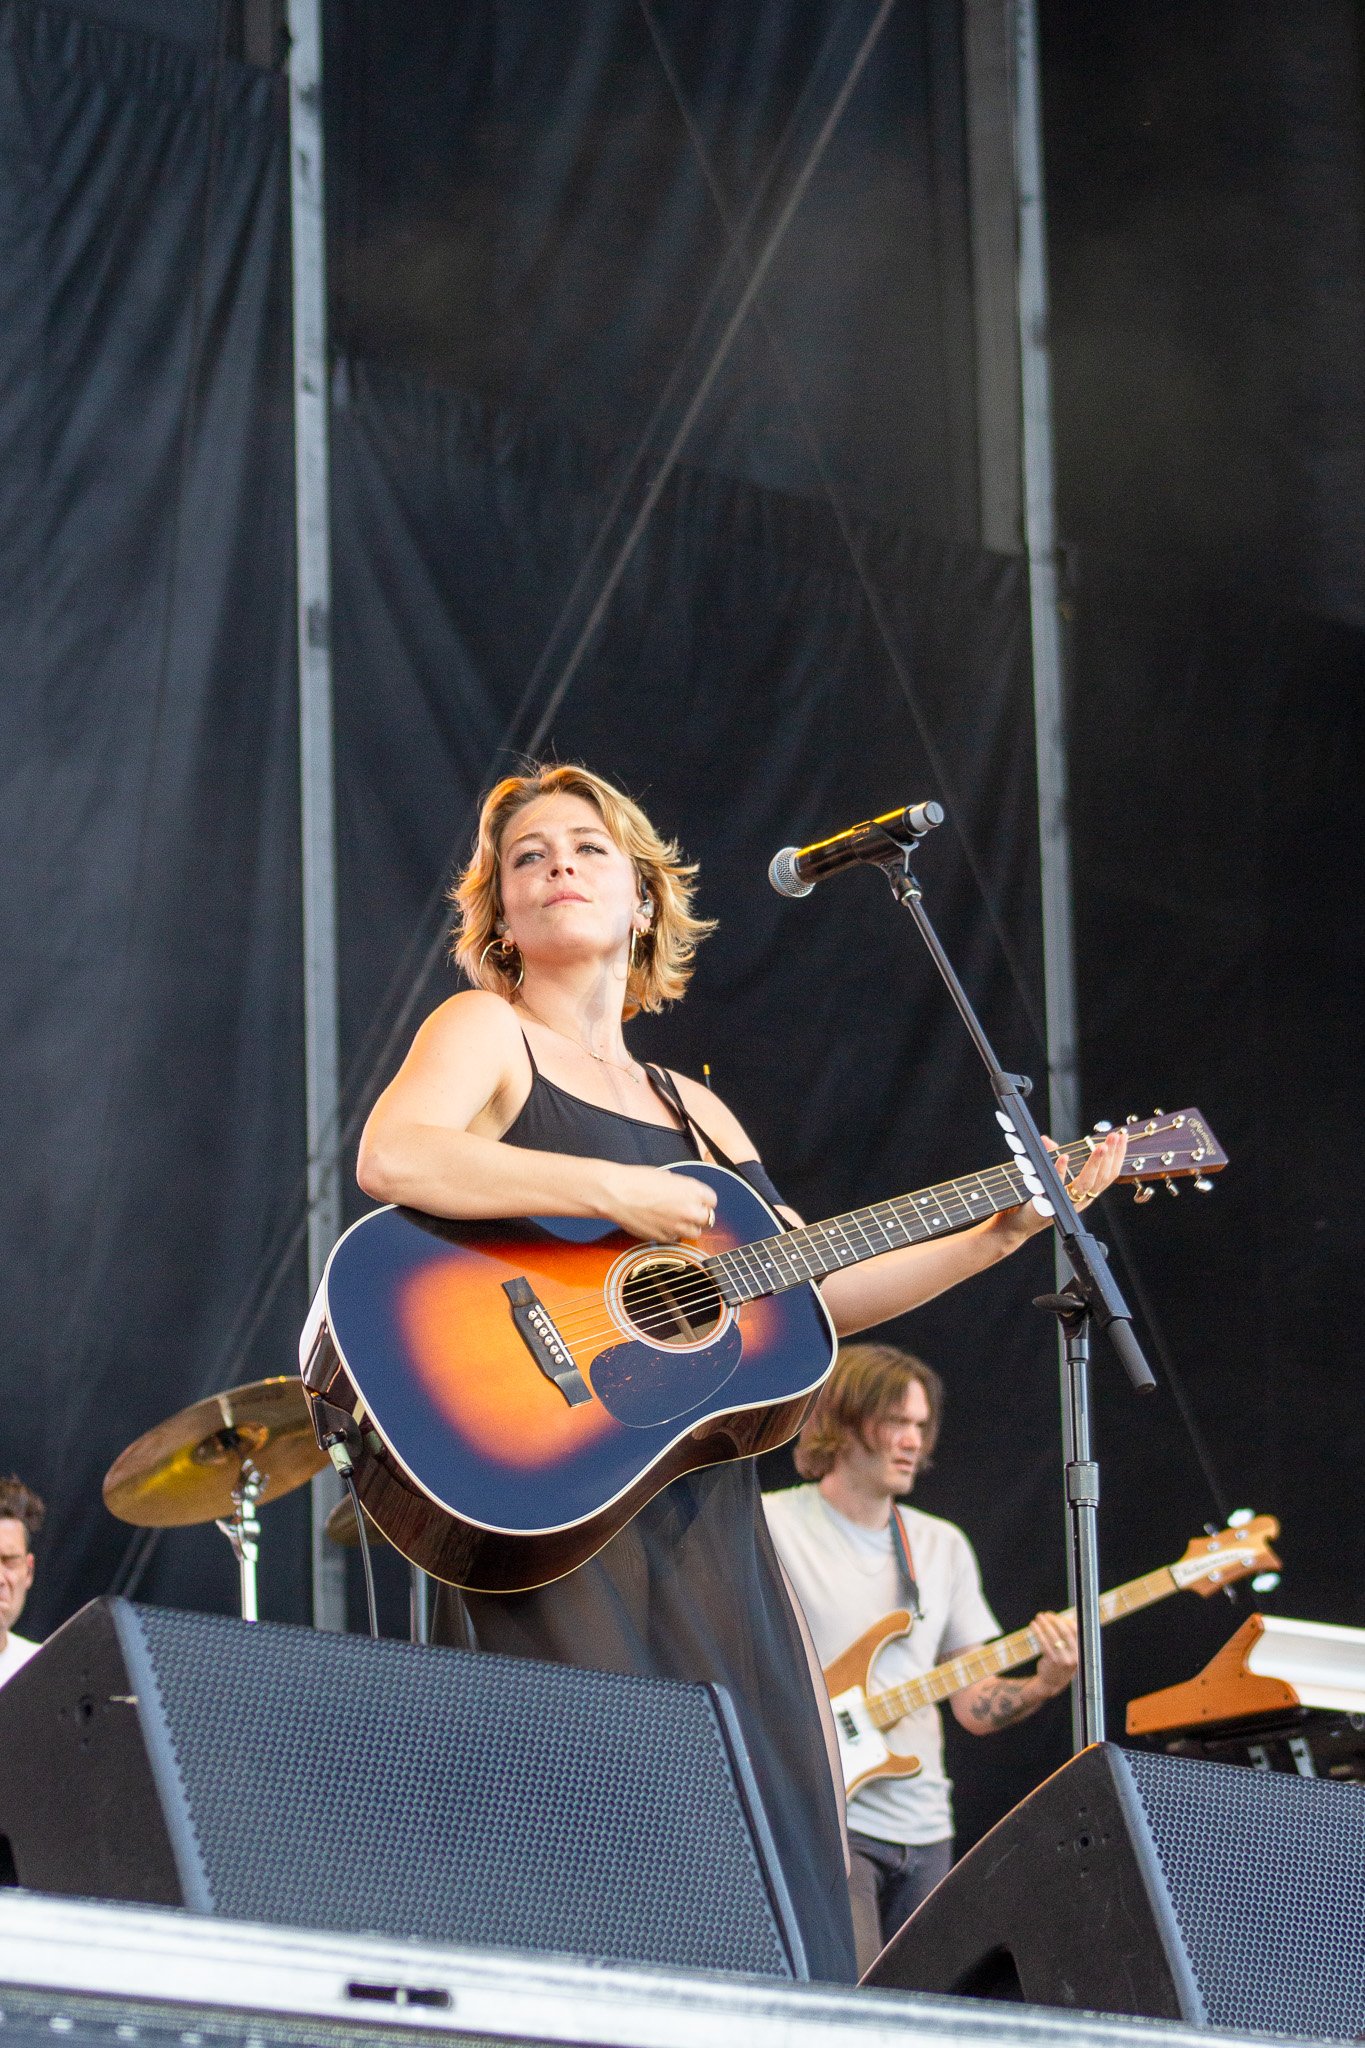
pixel 380 1787
pixel 1268 1888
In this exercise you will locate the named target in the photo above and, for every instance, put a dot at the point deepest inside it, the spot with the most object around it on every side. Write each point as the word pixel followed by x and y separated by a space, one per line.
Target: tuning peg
pixel 1203 1185
pixel 1158 1112
pixel 1143 1194
pixel 1130 1119
pixel 1104 1124
pixel 1265 1582
pixel 1170 1186
pixel 1239 1518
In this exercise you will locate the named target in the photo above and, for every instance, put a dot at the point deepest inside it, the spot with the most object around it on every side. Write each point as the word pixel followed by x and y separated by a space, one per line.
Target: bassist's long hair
pixel 867 1382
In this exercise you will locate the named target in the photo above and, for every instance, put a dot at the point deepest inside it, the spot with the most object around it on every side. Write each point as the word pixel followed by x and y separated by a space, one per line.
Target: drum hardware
pixel 217 1461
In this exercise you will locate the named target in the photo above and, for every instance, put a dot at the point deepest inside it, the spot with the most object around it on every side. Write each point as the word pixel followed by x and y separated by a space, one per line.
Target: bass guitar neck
pixel 863 1713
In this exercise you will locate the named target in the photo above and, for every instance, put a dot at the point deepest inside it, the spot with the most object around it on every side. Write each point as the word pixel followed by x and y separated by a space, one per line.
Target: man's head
pixel 876 1416
pixel 21 1517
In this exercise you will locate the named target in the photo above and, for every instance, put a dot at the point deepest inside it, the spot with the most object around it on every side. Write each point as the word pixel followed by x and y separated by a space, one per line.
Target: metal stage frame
pixel 95 1974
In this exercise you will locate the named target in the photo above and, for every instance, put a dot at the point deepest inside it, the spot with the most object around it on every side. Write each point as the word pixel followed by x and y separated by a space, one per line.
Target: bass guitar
pixel 861 1714
pixel 515 1391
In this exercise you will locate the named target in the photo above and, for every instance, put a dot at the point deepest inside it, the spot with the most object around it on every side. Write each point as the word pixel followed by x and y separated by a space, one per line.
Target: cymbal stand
pixel 1091 1295
pixel 419 1605
pixel 243 1531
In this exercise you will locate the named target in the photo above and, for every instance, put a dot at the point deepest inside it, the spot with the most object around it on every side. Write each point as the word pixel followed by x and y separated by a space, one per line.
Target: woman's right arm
pixel 432 1139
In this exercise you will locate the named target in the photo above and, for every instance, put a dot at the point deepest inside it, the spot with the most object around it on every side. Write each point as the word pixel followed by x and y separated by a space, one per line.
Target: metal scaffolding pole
pixel 317 808
pixel 1040 539
pixel 1049 694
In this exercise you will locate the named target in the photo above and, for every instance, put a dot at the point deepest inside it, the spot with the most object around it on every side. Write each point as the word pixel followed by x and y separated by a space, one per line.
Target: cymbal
pixel 340 1526
pixel 184 1469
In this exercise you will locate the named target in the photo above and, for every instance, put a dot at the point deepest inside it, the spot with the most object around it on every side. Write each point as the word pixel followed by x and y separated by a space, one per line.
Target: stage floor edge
pixel 116 1974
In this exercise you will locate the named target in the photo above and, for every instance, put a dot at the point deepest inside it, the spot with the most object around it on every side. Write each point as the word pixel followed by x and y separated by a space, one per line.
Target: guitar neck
pixel 773 1264
pixel 1005 1652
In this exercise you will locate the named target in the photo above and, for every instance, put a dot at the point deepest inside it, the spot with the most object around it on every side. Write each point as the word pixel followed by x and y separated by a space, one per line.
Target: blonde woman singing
pixel 521 1097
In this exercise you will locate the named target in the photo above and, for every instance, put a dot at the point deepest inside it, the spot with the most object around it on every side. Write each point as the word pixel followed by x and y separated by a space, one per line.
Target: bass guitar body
pixel 521 1389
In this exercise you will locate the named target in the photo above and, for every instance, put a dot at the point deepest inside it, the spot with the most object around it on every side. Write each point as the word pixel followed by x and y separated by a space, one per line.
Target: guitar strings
pixel 586 1323
pixel 591 1323
pixel 695 1289
pixel 1001 1178
pixel 699 1288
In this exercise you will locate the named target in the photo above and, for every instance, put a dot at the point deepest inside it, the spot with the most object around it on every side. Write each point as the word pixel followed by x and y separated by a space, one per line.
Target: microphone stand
pixel 1090 1295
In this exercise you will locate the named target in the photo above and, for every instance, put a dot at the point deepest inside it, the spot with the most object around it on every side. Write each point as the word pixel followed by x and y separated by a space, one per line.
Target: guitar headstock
pixel 1238 1551
pixel 1170 1146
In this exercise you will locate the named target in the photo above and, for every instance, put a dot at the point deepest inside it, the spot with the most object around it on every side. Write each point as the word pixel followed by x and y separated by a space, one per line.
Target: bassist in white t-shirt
pixel 869 1435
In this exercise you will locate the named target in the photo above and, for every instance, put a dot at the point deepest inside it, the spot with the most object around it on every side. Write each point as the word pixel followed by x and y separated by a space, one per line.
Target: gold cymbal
pixel 340 1526
pixel 184 1469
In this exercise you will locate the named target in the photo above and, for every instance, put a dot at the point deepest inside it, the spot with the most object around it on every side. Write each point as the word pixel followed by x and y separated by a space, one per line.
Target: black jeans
pixel 888 1881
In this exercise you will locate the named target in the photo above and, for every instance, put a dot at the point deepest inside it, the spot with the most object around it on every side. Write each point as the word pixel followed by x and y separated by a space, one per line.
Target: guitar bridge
pixel 535 1327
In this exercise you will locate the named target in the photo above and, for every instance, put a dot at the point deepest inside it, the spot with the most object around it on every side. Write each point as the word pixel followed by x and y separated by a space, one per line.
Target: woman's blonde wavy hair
pixel 664 955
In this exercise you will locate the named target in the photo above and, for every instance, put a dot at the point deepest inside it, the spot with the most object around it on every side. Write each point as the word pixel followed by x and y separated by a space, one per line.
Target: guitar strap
pixel 666 1088
pixel 900 1543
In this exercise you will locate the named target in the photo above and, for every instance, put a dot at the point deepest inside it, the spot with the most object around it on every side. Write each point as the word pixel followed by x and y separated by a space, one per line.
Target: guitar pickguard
pixel 643 1385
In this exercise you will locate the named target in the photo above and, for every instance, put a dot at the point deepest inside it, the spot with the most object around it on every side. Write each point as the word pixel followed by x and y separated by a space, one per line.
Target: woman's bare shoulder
pixel 473 1032
pixel 473 1012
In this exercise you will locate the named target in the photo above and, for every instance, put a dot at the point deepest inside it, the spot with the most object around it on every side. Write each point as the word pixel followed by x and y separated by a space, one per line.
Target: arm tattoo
pixel 997 1705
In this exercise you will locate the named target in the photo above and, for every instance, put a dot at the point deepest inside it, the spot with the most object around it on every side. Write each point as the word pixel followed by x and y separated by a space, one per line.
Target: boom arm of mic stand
pixel 1084 1254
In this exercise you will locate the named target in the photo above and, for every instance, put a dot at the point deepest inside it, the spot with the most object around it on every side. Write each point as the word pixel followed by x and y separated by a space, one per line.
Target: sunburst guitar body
pixel 525 1387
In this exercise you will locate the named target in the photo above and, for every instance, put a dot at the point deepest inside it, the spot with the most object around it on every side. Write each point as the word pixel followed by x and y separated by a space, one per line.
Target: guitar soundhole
pixel 669 1301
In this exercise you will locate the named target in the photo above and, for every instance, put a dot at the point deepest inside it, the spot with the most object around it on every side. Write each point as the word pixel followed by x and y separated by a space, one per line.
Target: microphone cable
pixel 371 1604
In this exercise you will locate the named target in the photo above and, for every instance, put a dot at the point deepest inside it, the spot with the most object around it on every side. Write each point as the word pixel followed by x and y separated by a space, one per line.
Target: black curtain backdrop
pixel 1207 237
pixel 532 271
pixel 150 907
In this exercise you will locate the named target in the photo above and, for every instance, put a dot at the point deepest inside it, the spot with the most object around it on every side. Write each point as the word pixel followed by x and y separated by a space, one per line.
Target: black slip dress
pixel 690 1589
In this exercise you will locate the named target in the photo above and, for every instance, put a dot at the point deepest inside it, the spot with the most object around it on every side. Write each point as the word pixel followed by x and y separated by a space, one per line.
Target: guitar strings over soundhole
pixel 670 1301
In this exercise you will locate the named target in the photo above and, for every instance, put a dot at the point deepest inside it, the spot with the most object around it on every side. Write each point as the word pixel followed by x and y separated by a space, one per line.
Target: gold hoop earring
pixel 505 946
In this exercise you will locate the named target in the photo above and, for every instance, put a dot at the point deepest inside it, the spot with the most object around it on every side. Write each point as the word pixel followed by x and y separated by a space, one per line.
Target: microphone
pixel 796 870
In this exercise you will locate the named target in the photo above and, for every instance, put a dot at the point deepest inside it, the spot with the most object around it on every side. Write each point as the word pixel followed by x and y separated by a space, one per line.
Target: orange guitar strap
pixel 900 1542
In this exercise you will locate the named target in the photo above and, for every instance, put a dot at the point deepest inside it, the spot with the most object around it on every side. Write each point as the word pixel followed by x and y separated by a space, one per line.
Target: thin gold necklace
pixel 633 1069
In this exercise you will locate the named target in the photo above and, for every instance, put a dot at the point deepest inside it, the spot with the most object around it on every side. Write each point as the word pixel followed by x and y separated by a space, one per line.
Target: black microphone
pixel 796 870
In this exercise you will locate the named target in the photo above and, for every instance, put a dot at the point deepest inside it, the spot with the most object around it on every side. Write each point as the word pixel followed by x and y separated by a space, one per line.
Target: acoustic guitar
pixel 516 1391
pixel 861 1715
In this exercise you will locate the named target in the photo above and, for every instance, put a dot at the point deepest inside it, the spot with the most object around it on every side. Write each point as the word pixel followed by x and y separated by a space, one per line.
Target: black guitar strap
pixel 666 1088
pixel 900 1543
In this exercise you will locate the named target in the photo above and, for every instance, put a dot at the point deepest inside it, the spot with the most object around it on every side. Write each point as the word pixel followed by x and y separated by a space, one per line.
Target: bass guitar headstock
pixel 1237 1552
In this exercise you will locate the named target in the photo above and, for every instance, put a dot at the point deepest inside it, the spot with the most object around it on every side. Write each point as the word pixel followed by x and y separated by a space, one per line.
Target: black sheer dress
pixel 692 1590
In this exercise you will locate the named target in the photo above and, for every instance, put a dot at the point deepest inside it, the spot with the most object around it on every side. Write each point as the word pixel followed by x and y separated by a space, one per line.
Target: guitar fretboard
pixel 773 1264
pixel 944 1680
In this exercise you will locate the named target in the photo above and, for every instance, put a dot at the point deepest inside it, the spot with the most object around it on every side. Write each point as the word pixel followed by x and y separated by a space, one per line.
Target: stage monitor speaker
pixel 1131 1882
pixel 327 1781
